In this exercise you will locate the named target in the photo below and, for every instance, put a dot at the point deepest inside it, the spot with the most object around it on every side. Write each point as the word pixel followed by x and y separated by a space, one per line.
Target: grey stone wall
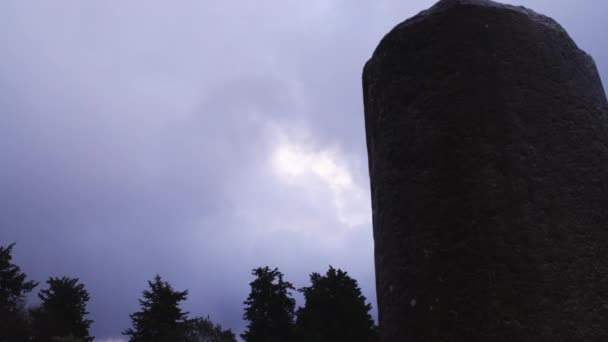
pixel 487 136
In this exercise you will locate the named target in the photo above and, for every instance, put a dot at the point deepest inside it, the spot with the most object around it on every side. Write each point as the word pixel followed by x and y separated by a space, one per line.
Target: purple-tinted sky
pixel 197 140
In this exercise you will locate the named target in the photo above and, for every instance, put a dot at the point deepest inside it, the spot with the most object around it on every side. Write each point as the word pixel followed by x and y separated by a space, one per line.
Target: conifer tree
pixel 269 308
pixel 62 311
pixel 160 318
pixel 13 289
pixel 335 310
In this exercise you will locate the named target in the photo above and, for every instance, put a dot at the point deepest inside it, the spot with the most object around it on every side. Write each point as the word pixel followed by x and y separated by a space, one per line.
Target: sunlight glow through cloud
pixel 293 160
pixel 296 163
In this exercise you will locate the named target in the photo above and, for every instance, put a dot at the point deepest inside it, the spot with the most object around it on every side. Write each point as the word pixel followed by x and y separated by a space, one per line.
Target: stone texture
pixel 487 136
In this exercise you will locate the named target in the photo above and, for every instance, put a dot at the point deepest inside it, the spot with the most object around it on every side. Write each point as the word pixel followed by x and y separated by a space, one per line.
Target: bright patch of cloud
pixel 293 161
pixel 299 164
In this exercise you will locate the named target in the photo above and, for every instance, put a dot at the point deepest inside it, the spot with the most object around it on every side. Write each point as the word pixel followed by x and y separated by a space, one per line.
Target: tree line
pixel 334 310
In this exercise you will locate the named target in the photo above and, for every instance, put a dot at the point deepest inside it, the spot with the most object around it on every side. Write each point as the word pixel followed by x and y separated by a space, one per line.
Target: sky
pixel 197 140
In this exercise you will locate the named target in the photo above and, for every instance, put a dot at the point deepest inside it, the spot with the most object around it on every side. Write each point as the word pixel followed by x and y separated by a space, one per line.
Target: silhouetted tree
pixel 269 308
pixel 160 319
pixel 335 310
pixel 61 314
pixel 204 330
pixel 13 289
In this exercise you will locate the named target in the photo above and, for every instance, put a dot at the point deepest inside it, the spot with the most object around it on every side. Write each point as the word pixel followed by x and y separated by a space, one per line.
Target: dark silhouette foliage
pixel 204 330
pixel 269 308
pixel 13 289
pixel 61 314
pixel 160 319
pixel 335 310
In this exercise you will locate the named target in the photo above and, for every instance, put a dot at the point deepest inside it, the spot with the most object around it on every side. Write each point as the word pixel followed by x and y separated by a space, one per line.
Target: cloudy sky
pixel 196 139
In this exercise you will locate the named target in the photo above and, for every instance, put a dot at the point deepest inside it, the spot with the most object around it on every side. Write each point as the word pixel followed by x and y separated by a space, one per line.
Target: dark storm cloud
pixel 196 140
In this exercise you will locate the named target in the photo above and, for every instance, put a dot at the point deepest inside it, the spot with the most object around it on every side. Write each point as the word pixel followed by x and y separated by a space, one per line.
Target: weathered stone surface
pixel 487 135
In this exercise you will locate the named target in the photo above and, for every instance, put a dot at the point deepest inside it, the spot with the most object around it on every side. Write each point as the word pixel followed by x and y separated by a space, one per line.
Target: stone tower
pixel 487 136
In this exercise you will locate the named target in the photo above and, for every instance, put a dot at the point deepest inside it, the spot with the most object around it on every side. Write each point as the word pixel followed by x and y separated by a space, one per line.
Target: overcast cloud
pixel 197 140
